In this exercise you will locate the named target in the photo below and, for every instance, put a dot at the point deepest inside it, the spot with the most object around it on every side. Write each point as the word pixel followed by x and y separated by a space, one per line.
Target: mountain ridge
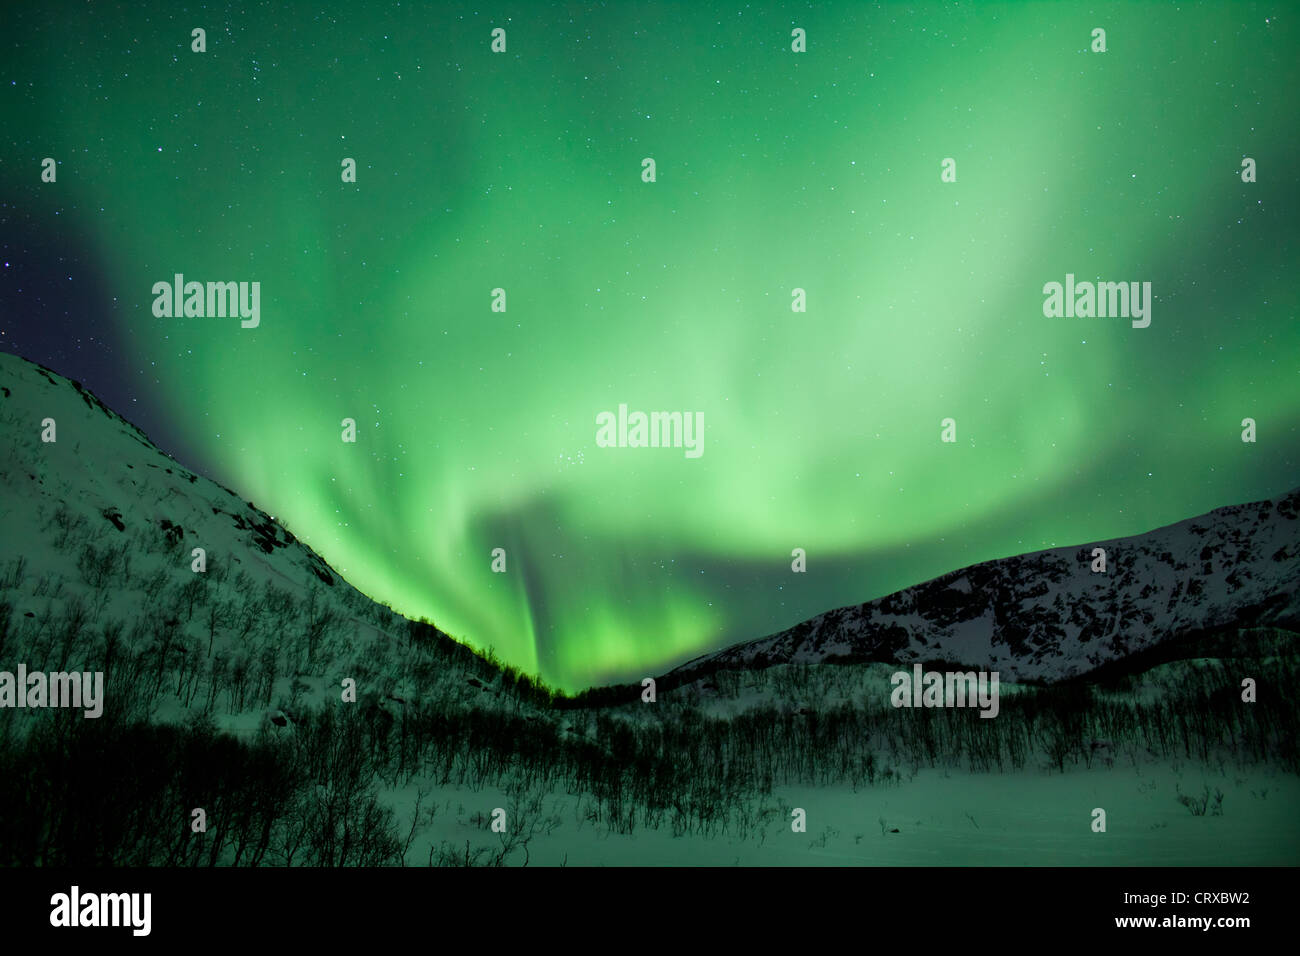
pixel 1042 615
pixel 1046 615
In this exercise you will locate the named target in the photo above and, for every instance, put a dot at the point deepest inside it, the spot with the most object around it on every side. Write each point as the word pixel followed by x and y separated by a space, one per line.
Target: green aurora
pixel 775 170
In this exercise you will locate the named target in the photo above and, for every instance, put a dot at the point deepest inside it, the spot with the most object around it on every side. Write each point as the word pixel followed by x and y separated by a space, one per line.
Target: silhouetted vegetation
pixel 110 793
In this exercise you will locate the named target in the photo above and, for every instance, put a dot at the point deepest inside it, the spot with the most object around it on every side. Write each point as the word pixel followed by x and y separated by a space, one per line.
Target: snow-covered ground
pixel 943 818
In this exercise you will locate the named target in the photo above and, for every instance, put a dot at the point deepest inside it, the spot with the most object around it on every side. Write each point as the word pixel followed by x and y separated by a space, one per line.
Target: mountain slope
pixel 99 462
pixel 98 534
pixel 1048 616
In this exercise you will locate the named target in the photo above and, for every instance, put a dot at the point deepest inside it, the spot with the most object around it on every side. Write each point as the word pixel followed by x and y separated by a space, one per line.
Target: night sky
pixel 775 170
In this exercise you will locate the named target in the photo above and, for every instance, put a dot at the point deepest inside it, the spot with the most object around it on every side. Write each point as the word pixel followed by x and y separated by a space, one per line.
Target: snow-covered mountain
pixel 99 530
pixel 103 500
pixel 1048 615
pixel 105 468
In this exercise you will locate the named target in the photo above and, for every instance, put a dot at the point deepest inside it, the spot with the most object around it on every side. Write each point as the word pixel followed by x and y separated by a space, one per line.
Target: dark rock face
pixel 1049 616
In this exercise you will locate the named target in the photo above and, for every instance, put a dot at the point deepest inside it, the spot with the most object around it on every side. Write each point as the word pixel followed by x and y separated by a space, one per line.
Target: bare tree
pixel 220 614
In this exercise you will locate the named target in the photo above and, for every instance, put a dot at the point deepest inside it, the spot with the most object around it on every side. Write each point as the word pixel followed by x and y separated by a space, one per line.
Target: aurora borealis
pixel 775 171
